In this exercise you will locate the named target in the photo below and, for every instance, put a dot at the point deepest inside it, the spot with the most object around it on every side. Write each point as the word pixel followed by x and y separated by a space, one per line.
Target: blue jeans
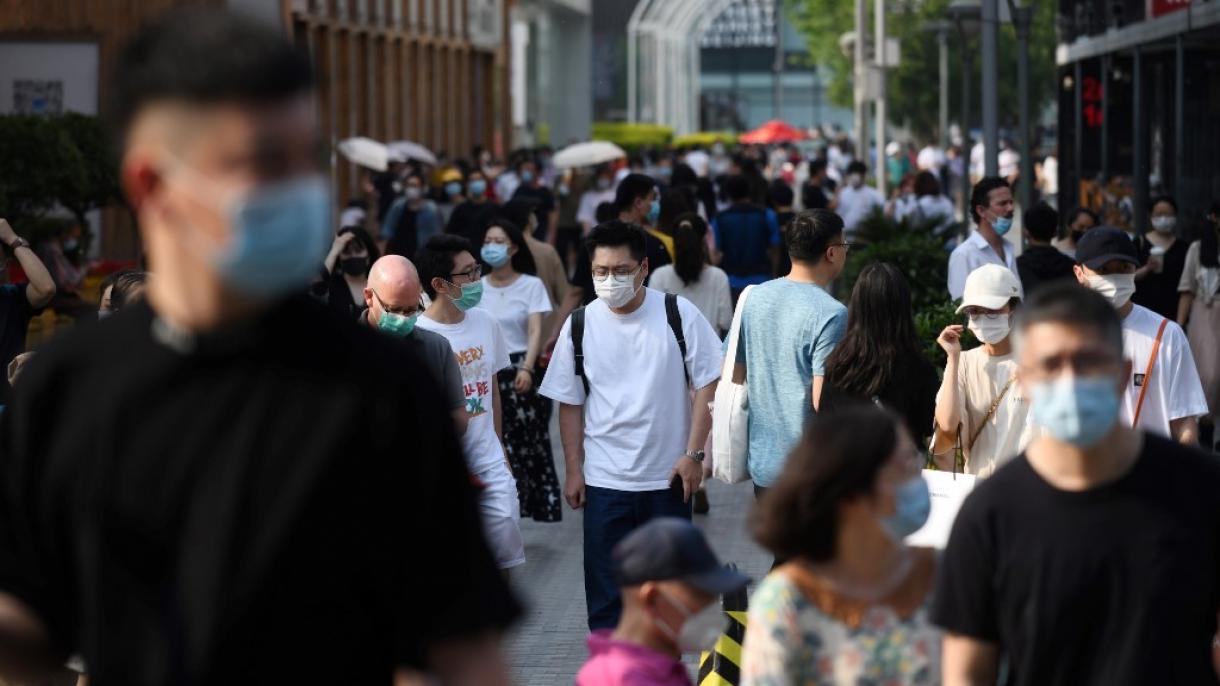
pixel 609 516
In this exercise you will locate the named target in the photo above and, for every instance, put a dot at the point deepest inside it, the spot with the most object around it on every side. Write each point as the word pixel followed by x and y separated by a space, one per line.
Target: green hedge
pixel 632 135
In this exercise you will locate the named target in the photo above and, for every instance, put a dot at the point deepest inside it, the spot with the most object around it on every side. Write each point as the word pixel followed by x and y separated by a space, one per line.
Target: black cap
pixel 1103 244
pixel 673 549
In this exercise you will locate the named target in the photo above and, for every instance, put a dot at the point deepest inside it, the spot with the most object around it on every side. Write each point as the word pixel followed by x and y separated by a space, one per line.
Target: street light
pixel 967 15
pixel 1022 17
pixel 941 28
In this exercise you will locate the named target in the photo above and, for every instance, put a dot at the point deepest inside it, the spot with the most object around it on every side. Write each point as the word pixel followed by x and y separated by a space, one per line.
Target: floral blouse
pixel 800 633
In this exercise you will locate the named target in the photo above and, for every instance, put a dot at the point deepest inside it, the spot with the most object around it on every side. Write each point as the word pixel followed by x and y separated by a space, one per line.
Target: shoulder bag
pixel 731 412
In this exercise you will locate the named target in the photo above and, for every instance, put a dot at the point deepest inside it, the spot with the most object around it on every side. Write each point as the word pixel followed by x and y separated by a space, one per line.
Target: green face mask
pixel 397 324
pixel 472 293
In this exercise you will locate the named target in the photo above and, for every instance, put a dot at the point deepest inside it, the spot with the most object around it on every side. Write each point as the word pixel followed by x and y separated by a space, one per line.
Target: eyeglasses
pixel 621 271
pixel 470 275
pixel 398 310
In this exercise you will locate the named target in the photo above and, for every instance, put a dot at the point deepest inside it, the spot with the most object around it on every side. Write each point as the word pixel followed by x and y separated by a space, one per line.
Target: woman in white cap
pixel 980 411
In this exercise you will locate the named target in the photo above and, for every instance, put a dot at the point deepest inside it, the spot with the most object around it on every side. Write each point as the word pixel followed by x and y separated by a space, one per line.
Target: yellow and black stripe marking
pixel 722 666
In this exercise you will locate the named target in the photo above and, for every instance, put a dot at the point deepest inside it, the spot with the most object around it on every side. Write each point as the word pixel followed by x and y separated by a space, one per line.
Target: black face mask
pixel 355 266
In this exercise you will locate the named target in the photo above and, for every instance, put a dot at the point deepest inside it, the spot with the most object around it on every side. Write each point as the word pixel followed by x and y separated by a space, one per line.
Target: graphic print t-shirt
pixel 478 344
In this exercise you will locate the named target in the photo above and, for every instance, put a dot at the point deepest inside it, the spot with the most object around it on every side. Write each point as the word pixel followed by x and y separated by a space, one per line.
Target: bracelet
pixel 527 370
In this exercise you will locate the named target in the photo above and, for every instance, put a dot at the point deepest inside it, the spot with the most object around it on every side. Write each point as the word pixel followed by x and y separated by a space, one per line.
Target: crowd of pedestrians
pixel 300 449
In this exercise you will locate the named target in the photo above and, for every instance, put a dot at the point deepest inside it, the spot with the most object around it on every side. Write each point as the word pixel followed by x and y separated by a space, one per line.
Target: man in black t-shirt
pixel 1094 558
pixel 210 487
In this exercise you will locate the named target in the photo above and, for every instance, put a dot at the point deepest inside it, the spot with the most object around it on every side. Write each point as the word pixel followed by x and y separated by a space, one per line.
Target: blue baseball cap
pixel 673 549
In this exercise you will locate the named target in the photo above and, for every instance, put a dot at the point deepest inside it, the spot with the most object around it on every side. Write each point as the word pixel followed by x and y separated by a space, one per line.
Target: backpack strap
pixel 674 316
pixel 578 346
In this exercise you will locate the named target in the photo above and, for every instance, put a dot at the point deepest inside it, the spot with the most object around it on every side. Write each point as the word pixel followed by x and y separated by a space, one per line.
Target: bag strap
pixel 674 317
pixel 578 346
pixel 994 406
pixel 730 353
pixel 1156 348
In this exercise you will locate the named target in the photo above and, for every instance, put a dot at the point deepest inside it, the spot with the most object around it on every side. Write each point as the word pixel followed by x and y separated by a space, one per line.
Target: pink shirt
pixel 618 663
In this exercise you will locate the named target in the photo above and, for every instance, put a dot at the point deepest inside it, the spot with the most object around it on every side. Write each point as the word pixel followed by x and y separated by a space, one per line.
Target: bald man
pixel 392 304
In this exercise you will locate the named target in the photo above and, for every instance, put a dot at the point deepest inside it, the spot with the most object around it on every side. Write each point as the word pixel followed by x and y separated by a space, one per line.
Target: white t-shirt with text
pixel 512 306
pixel 638 412
pixel 1175 390
pixel 479 347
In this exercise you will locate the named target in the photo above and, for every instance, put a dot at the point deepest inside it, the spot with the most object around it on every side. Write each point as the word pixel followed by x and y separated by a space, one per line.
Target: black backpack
pixel 672 315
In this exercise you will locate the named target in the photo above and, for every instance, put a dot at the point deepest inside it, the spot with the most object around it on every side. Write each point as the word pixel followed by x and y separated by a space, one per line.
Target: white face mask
pixel 855 180
pixel 1164 224
pixel 990 330
pixel 616 291
pixel 1117 288
pixel 699 631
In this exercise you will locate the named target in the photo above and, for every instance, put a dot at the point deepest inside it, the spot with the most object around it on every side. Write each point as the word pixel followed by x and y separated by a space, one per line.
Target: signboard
pixel 1159 8
pixel 484 29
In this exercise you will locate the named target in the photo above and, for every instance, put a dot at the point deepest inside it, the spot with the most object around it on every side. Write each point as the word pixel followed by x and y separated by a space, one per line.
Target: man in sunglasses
pixel 451 276
pixel 393 306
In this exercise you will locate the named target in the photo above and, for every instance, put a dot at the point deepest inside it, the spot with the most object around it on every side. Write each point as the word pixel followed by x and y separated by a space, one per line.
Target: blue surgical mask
pixel 654 211
pixel 397 324
pixel 280 233
pixel 912 503
pixel 527 176
pixel 453 188
pixel 495 254
pixel 472 293
pixel 478 187
pixel 1079 410
pixel 1001 225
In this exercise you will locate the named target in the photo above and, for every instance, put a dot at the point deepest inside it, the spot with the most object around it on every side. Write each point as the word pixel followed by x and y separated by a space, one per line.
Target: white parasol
pixel 587 154
pixel 407 150
pixel 366 152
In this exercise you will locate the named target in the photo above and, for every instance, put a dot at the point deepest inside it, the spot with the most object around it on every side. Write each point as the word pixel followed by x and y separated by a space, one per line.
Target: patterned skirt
pixel 527 438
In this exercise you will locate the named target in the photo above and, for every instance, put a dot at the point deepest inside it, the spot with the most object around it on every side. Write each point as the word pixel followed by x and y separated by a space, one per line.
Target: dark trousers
pixel 609 516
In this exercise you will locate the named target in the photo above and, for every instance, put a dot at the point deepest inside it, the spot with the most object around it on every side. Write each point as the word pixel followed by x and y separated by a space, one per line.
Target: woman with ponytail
pixel 691 277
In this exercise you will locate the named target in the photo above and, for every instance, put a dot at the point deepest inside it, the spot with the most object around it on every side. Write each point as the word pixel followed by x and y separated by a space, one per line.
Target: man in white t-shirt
pixel 1166 398
pixel 992 208
pixel 633 436
pixel 857 201
pixel 450 275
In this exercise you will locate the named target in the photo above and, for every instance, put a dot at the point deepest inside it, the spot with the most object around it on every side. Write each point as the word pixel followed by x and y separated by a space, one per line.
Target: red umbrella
pixel 774 131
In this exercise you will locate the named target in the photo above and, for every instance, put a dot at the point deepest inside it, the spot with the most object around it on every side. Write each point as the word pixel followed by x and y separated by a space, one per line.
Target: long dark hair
pixel 690 247
pixel 523 260
pixel 1208 252
pixel 880 344
pixel 674 202
pixel 838 458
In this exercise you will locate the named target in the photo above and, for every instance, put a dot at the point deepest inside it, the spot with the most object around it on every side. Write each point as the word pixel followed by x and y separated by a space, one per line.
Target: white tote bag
pixel 731 412
pixel 948 490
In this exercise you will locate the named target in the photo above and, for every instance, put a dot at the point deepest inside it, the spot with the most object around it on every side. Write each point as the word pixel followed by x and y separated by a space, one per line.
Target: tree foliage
pixel 912 87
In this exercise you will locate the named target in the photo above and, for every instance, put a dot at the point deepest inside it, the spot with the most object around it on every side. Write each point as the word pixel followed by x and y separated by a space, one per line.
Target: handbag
pixel 731 412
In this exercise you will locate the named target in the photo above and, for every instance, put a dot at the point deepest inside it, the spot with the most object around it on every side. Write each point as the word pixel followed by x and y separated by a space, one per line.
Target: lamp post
pixel 941 28
pixel 1022 17
pixel 991 73
pixel 965 14
pixel 858 82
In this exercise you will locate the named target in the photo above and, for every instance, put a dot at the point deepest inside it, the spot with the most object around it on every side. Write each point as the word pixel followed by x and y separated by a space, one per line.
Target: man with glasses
pixel 789 326
pixel 451 276
pixel 633 412
pixel 392 305
pixel 1094 557
pixel 979 406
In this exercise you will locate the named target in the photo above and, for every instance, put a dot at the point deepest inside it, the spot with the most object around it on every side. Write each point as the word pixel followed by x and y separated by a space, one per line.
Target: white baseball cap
pixel 991 287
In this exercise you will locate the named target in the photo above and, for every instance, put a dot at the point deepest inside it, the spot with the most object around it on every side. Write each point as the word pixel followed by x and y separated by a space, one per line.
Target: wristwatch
pixel 695 455
pixel 19 243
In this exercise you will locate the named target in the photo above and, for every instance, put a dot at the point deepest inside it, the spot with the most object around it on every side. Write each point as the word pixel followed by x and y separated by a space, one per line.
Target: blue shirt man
pixel 788 328
pixel 747 236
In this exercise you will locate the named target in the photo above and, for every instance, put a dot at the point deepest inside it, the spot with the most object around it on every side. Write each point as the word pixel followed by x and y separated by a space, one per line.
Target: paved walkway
pixel 548 646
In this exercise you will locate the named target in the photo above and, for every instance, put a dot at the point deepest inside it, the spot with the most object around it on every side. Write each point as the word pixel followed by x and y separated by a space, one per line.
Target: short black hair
pixel 126 286
pixel 632 188
pixel 1042 221
pixel 781 193
pixel 204 55
pixel 616 233
pixel 857 167
pixel 817 166
pixel 435 259
pixel 981 193
pixel 736 187
pixel 1075 214
pixel 605 212
pixel 839 457
pixel 810 233
pixel 518 211
pixel 1067 302
pixel 1165 199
